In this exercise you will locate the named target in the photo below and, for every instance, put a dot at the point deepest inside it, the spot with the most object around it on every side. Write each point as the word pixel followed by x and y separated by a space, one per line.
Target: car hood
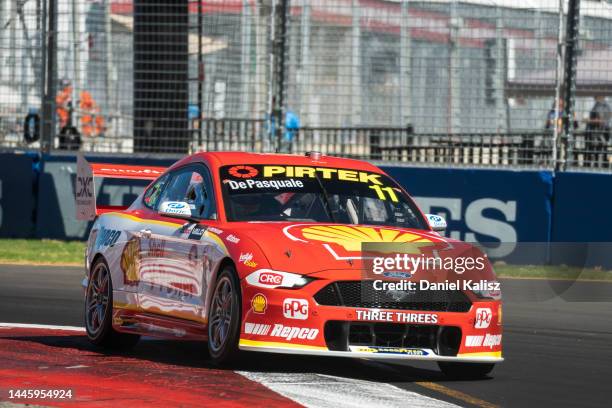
pixel 308 248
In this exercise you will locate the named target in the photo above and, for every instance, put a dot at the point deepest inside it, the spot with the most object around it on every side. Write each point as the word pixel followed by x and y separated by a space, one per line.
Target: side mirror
pixel 175 209
pixel 436 222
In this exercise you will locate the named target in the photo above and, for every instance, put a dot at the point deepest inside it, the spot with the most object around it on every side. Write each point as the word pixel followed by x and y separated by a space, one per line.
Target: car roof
pixel 218 159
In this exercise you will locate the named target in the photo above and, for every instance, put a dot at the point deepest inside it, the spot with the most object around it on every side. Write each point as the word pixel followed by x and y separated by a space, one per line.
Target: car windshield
pixel 315 194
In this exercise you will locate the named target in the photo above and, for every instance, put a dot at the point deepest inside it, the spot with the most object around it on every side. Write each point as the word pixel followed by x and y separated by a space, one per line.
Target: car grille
pixel 351 294
pixel 443 340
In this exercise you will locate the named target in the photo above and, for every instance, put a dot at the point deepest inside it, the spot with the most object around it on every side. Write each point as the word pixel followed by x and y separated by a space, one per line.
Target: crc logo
pixel 295 309
pixel 269 278
pixel 483 318
pixel 83 189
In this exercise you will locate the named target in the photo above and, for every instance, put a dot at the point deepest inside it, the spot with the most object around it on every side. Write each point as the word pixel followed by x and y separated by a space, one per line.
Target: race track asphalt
pixel 557 343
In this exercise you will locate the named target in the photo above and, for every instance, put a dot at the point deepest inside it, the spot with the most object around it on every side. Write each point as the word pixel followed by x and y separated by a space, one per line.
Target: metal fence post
pixel 49 68
pixel 571 38
pixel 280 20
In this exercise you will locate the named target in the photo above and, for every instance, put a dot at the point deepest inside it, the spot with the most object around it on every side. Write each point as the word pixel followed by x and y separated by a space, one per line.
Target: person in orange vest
pixel 92 123
pixel 63 103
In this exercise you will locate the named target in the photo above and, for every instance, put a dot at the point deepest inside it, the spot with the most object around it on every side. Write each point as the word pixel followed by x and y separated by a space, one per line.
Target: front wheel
pixel 465 371
pixel 99 311
pixel 224 318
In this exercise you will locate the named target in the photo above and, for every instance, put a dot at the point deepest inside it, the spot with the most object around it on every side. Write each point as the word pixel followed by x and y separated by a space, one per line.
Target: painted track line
pixel 456 394
pixel 326 391
pixel 40 326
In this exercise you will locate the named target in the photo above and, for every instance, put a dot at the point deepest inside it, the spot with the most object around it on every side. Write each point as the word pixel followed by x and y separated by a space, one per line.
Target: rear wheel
pixel 466 371
pixel 224 318
pixel 99 311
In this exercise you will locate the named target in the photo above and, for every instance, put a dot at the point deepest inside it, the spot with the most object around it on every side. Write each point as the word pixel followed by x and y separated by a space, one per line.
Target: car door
pixel 175 266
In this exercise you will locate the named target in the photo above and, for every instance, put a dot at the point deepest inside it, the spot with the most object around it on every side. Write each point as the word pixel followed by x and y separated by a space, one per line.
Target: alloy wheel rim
pixel 221 316
pixel 96 301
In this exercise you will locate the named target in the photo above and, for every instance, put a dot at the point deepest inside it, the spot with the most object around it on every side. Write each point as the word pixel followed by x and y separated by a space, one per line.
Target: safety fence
pixel 471 78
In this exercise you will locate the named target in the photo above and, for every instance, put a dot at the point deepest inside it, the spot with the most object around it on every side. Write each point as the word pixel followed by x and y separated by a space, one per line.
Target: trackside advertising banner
pixel 581 222
pixel 56 190
pixel 486 206
pixel 496 208
pixel 16 195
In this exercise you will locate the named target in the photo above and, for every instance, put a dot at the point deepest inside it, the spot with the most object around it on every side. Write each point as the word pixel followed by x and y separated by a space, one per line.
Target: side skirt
pixel 153 325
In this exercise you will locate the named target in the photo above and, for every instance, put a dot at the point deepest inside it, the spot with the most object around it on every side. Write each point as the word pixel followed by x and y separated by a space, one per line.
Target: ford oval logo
pixel 176 205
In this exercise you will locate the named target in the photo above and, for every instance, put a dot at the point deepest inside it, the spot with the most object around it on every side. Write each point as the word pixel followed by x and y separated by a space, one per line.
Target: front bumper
pixel 290 321
pixel 268 347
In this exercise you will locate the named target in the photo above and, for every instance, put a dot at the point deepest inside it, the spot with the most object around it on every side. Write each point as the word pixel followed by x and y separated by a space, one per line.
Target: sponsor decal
pixel 270 278
pixel 389 350
pixel 398 317
pixel 259 303
pixel 289 332
pixel 351 238
pixel 253 184
pixel 107 237
pixel 129 171
pixel 325 173
pixel 295 309
pixel 492 340
pixel 157 248
pixel 232 238
pixel 176 207
pixel 130 261
pixel 243 171
pixel 214 230
pixel 84 189
pixel 483 318
pixel 197 232
pixel 436 221
pixel 397 275
pixel 257 328
pixel 247 259
pixel 267 278
pixel 488 340
pixel 473 341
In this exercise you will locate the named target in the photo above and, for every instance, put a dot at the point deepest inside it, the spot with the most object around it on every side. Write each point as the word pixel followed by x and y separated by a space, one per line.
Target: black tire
pixel 223 324
pixel 99 311
pixel 466 371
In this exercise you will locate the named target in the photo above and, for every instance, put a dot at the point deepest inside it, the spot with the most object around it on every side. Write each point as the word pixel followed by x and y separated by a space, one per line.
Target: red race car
pixel 284 254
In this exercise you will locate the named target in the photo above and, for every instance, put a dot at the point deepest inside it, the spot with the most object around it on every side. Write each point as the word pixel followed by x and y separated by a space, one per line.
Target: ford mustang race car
pixel 284 254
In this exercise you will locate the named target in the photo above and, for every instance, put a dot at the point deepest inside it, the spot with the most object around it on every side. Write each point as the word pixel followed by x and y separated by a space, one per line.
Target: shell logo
pixel 351 238
pixel 130 261
pixel 259 303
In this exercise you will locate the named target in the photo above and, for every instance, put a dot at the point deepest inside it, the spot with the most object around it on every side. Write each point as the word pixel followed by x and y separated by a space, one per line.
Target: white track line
pixel 327 391
pixel 40 326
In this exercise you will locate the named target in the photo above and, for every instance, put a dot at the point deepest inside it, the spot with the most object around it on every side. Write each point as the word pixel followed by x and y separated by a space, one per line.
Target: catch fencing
pixel 442 82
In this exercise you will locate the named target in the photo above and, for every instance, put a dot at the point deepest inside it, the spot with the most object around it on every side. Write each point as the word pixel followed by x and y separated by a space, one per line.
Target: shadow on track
pixel 194 355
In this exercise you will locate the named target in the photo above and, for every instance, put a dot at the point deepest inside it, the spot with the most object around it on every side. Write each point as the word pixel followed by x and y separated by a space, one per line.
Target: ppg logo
pixel 295 309
pixel 83 189
pixel 483 318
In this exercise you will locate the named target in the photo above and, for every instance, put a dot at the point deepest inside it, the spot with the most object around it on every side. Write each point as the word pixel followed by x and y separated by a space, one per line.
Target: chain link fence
pixel 439 82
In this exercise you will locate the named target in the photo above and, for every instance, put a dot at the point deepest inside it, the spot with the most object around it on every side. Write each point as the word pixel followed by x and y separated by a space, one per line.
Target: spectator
pixel 555 118
pixel 598 131
pixel 92 123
